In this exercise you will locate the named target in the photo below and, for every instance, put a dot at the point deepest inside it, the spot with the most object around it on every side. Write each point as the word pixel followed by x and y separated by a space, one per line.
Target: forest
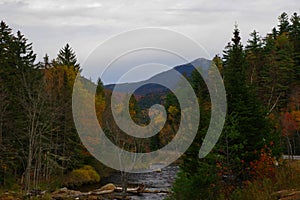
pixel 40 147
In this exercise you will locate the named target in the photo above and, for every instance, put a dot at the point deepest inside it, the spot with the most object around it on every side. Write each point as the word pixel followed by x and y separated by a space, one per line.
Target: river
pixel 153 180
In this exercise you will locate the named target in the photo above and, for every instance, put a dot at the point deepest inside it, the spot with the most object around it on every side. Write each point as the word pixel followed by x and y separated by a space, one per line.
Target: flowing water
pixel 161 181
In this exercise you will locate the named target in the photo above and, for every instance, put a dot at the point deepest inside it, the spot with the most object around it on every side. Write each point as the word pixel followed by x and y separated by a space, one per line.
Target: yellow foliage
pixel 173 110
pixel 86 174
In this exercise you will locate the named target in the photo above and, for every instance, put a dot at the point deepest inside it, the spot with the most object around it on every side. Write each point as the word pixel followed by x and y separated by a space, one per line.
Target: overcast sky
pixel 84 24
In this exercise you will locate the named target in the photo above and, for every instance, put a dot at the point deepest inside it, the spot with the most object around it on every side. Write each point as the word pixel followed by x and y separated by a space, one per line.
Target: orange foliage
pixel 289 125
pixel 296 117
pixel 266 164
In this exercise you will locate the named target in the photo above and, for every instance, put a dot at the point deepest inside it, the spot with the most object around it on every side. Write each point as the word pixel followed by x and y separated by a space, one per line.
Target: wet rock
pixel 65 193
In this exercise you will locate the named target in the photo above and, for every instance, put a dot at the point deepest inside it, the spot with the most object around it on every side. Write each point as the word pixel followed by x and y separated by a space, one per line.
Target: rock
pixel 158 170
pixel 64 193
pixel 10 196
pixel 35 193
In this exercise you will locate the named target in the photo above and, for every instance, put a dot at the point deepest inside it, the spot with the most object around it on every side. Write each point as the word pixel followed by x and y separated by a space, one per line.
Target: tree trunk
pixel 124 185
pixel 289 147
pixel 28 169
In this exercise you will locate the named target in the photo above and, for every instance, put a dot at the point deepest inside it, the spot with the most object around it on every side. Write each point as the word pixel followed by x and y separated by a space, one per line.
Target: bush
pixel 84 175
pixel 286 177
pixel 199 185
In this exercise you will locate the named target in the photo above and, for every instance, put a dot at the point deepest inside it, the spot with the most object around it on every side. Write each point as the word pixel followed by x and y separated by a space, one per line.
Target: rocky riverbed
pixel 154 182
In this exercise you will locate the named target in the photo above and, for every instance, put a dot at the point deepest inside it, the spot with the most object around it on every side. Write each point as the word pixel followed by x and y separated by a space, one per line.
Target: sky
pixel 85 24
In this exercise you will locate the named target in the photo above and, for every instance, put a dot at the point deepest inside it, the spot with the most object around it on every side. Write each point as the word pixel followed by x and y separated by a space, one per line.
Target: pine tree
pixel 197 174
pixel 251 125
pixel 100 101
pixel 67 57
pixel 284 25
pixel 7 160
pixel 295 40
pixel 26 117
pixel 253 57
pixel 277 71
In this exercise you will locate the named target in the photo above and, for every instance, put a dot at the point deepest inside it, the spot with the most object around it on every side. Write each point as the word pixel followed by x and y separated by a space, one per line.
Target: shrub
pixel 199 185
pixel 84 175
pixel 286 177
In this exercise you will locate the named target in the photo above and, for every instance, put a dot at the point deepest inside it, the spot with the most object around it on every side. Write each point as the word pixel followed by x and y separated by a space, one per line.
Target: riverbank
pixel 158 185
pixel 154 181
pixel 284 186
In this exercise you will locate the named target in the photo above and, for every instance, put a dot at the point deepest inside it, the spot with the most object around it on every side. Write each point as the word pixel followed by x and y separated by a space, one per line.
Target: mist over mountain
pixel 170 77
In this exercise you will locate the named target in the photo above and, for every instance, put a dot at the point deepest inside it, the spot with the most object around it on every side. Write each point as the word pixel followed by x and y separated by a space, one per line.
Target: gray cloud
pixel 49 24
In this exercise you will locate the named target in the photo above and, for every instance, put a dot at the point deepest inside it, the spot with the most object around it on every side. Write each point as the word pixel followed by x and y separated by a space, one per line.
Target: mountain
pixel 171 77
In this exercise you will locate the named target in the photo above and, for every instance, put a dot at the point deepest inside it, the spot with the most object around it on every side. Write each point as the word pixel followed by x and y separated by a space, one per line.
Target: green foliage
pixel 284 25
pixel 258 80
pixel 38 138
pixel 199 185
pixel 67 57
pixel 251 123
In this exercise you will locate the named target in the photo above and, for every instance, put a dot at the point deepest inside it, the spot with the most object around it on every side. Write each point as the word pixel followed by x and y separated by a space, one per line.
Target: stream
pixel 153 180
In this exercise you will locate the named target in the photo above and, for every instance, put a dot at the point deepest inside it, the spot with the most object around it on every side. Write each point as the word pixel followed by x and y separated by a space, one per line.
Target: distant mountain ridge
pixel 149 86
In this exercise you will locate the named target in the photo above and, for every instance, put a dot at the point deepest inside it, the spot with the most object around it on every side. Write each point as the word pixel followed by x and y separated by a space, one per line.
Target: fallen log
pixel 110 188
pixel 106 189
pixel 287 194
pixel 139 189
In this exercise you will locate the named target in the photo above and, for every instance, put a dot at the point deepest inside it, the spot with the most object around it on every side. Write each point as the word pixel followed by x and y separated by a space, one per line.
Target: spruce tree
pixel 252 129
pixel 67 57
pixel 284 25
pixel 253 57
pixel 26 117
pixel 295 39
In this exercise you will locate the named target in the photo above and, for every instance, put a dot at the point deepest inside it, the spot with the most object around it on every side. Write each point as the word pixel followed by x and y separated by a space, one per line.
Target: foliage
pixel 67 57
pixel 265 166
pixel 83 175
pixel 286 177
pixel 199 185
pixel 38 138
pixel 263 105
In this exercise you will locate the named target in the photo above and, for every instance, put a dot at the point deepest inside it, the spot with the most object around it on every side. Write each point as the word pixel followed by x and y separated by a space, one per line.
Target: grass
pixel 286 181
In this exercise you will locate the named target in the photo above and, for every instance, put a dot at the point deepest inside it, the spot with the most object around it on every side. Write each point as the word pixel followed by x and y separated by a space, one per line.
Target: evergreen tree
pixel 295 39
pixel 26 112
pixel 251 126
pixel 277 71
pixel 100 88
pixel 284 25
pixel 253 57
pixel 8 149
pixel 198 174
pixel 46 63
pixel 67 57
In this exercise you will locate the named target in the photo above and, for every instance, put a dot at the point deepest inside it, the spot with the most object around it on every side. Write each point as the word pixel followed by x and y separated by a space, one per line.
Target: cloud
pixel 49 24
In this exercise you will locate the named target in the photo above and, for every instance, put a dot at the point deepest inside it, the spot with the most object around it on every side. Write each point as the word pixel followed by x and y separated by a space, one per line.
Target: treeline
pixel 263 96
pixel 38 139
pixel 39 142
